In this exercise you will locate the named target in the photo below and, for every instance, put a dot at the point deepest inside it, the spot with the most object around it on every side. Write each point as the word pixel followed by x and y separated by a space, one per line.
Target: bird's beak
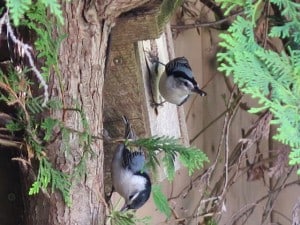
pixel 199 91
pixel 124 208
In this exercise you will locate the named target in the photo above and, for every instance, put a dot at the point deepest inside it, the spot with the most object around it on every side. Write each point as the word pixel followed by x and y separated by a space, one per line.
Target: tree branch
pixel 207 24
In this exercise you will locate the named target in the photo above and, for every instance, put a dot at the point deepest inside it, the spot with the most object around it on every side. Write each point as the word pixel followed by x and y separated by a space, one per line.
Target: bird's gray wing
pixel 134 161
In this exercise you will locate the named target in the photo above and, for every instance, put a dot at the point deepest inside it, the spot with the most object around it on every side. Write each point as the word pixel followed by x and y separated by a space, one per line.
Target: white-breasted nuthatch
pixel 129 177
pixel 177 82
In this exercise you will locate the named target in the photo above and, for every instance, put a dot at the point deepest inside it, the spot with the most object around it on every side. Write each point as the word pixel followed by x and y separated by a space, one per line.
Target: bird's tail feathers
pixel 129 132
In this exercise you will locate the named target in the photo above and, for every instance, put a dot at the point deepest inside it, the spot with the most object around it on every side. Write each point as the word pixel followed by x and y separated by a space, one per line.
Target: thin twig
pixel 9 143
pixel 208 125
pixel 207 24
pixel 251 206
pixel 233 105
pixel 283 216
pixel 230 118
pixel 195 97
pixel 273 195
pixel 217 10
pixel 9 90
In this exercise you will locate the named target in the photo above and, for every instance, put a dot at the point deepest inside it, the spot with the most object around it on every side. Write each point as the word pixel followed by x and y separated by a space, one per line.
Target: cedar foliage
pixel 271 77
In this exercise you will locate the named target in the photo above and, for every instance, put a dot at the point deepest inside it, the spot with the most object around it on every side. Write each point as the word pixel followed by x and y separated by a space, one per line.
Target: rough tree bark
pixel 82 65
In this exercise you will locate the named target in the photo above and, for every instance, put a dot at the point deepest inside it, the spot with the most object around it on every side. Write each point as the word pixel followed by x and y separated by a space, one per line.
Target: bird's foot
pixel 156 104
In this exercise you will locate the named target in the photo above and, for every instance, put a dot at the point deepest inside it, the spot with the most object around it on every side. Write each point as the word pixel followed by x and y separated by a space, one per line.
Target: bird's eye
pixel 185 83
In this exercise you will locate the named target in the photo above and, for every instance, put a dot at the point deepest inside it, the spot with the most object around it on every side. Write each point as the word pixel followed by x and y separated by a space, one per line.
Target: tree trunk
pixel 82 60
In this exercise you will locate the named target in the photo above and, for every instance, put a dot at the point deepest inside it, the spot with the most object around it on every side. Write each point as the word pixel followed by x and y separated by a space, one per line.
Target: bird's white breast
pixel 125 182
pixel 168 88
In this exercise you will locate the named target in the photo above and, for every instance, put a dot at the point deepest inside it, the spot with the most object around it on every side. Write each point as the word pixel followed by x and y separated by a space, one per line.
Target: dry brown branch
pixel 250 207
pixel 218 197
pixel 260 129
pixel 283 216
pixel 24 162
pixel 231 107
pixel 16 100
pixel 213 24
pixel 9 143
pixel 195 97
pixel 208 125
pixel 280 165
pixel 235 160
pixel 273 195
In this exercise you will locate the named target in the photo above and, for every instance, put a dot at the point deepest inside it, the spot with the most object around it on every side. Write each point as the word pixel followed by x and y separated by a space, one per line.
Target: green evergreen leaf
pixel 55 9
pixel 14 126
pixel 272 78
pixel 48 175
pixel 17 9
pixel 48 125
pixel 160 200
pixel 127 218
pixel 168 162
pixel 191 157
